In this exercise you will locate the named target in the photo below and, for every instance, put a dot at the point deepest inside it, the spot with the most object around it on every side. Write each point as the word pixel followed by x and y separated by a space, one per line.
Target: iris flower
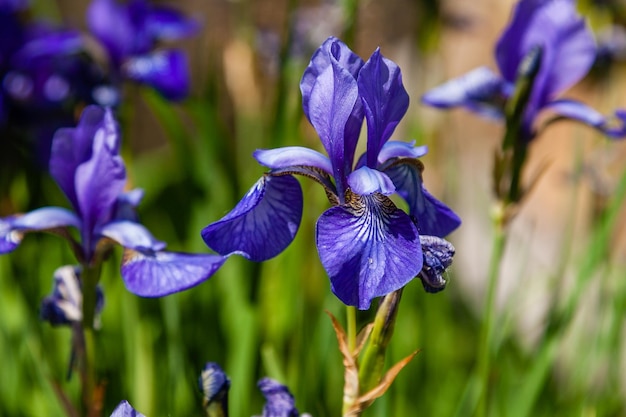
pixel 566 50
pixel 368 246
pixel 130 31
pixel 86 164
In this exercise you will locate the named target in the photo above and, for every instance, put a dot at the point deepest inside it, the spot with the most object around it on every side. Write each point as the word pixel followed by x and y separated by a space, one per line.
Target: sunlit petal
pixel 155 274
pixel 368 249
pixel 262 224
pixel 365 181
pixel 290 156
pixel 131 235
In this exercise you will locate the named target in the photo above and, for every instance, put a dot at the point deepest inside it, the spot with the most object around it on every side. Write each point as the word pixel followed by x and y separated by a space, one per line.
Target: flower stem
pixel 84 339
pixel 484 349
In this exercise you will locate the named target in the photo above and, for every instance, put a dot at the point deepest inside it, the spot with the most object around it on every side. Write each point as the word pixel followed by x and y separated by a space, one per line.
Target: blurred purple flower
pixel 124 409
pixel 88 168
pixel 130 32
pixel 567 52
pixel 367 245
pixel 65 305
pixel 279 401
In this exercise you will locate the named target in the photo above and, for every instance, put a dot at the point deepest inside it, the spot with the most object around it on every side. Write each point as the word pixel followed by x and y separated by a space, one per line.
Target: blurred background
pixel 193 158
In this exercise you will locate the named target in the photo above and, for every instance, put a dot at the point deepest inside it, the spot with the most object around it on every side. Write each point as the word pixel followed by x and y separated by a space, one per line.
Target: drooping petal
pixel 568 47
pixel 101 179
pixel 480 90
pixel 166 71
pixel 13 228
pixel 279 400
pixel 263 223
pixel 432 216
pixel 72 147
pixel 332 100
pixel 131 235
pixel 156 274
pixel 365 181
pixel 385 101
pixel 614 127
pixel 291 156
pixel 124 409
pixel 369 249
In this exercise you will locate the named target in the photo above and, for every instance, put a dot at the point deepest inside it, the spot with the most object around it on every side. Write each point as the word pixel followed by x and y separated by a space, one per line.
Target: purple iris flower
pixel 368 246
pixel 567 52
pixel 86 164
pixel 130 31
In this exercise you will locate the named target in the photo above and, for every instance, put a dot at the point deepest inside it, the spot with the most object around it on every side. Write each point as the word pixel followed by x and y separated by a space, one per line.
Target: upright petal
pixel 480 90
pixel 368 248
pixel 156 274
pixel 101 179
pixel 13 228
pixel 385 101
pixel 166 71
pixel 568 46
pixel 332 100
pixel 111 23
pixel 164 23
pixel 263 223
pixel 72 147
pixel 124 409
pixel 279 401
pixel 214 384
pixel 432 216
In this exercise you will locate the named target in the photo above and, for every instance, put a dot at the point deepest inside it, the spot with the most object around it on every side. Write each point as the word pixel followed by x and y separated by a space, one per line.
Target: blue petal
pixel 262 224
pixel 291 156
pixel 165 71
pixel 13 228
pixel 131 235
pixel 156 274
pixel 124 409
pixel 438 255
pixel 369 249
pixel 111 24
pixel 366 181
pixel 125 207
pixel 480 90
pixel 613 127
pixel 432 216
pixel 385 101
pixel 279 401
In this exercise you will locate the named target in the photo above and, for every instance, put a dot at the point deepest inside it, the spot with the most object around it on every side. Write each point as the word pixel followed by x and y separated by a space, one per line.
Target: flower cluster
pixel 87 166
pixel 553 35
pixel 368 246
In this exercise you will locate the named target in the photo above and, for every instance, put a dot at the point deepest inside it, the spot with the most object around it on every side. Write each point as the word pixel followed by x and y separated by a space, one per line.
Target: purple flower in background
pixel 130 31
pixel 279 401
pixel 65 305
pixel 368 246
pixel 88 168
pixel 566 53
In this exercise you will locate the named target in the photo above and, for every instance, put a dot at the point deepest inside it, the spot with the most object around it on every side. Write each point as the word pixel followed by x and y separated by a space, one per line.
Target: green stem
pixel 484 349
